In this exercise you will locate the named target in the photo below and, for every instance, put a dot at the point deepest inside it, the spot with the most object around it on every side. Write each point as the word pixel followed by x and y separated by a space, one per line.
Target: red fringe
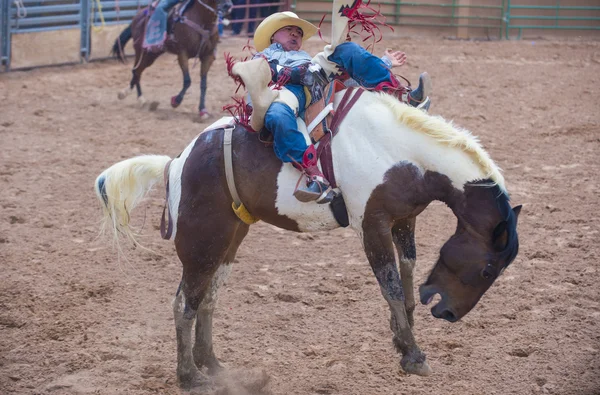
pixel 230 62
pixel 241 111
pixel 282 79
pixel 363 25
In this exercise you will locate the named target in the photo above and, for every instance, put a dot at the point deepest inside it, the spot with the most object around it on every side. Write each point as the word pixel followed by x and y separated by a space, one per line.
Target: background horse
pixel 194 34
pixel 406 160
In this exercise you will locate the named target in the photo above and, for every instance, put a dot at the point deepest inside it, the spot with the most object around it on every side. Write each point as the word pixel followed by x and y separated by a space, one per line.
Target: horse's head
pixel 484 244
pixel 224 6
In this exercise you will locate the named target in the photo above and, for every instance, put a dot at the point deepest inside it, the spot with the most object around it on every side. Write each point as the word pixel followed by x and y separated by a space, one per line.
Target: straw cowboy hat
pixel 274 22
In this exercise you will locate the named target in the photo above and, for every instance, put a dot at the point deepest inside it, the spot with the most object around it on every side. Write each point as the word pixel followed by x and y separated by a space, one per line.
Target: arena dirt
pixel 301 313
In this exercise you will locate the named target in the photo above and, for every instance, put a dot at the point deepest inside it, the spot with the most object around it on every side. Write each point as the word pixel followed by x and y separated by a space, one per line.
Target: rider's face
pixel 290 38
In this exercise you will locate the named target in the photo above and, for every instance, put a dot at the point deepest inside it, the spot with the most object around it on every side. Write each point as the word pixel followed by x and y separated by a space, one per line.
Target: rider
pixel 279 38
pixel 156 29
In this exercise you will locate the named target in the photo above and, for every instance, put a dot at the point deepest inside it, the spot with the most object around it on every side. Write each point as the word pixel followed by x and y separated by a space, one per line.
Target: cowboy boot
pixel 256 75
pixel 317 188
pixel 418 98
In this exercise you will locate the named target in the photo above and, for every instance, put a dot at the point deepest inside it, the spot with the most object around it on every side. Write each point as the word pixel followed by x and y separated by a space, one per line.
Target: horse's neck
pixel 372 147
pixel 202 14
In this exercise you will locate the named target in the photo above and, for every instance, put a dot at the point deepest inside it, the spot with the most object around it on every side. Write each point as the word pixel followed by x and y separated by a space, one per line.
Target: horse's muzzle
pixel 440 310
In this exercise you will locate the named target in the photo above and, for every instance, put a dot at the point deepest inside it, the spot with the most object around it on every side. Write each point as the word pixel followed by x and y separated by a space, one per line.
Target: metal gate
pixel 30 16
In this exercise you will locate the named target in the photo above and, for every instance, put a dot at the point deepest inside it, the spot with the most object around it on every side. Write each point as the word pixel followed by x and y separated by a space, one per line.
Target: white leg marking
pixel 219 278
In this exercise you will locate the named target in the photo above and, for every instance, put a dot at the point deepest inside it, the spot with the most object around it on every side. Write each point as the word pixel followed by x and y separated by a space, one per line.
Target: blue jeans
pixel 364 67
pixel 280 119
pixel 367 69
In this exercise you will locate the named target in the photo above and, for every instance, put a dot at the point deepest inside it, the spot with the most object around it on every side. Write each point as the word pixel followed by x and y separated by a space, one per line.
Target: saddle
pixel 322 122
pixel 317 116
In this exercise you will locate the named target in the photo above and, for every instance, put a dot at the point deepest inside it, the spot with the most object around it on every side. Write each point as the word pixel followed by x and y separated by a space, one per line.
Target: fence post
pixel 5 34
pixel 462 30
pixel 84 24
pixel 507 20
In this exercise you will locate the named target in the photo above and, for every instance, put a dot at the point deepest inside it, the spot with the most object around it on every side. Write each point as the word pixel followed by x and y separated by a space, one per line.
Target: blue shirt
pixel 285 58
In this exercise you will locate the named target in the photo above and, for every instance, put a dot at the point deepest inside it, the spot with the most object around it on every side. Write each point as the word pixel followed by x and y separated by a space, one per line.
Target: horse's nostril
pixel 448 316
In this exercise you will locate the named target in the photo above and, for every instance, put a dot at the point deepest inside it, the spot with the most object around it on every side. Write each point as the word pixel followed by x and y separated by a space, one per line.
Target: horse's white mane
pixel 444 132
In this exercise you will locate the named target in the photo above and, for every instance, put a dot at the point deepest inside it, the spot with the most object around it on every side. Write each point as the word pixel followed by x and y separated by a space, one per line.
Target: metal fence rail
pixel 499 16
pixel 450 14
pixel 554 17
pixel 33 16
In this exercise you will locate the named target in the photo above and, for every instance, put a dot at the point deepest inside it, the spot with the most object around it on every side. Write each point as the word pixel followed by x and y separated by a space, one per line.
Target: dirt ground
pixel 304 310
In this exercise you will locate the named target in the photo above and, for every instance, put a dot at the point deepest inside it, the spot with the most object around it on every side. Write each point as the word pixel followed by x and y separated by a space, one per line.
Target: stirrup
pixel 315 191
pixel 424 105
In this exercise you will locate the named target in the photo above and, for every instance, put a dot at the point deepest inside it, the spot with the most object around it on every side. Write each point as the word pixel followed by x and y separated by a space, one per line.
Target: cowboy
pixel 156 28
pixel 279 39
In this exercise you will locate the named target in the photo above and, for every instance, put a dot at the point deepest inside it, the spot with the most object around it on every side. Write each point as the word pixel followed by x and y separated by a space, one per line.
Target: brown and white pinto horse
pixel 194 35
pixel 390 161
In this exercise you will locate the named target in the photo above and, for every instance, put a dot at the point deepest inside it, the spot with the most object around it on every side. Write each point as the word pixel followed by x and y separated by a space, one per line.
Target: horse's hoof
pixel 195 378
pixel 204 115
pixel 215 368
pixel 174 102
pixel 418 368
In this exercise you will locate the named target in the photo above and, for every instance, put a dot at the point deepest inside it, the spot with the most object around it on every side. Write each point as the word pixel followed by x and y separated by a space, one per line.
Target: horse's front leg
pixel 379 248
pixel 206 61
pixel 183 59
pixel 403 233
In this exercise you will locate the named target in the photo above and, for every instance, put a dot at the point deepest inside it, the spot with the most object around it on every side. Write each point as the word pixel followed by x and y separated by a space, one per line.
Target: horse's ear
pixel 500 236
pixel 517 210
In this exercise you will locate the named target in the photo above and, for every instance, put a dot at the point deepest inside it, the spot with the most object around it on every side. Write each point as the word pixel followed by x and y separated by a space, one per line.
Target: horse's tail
pixel 122 186
pixel 118 48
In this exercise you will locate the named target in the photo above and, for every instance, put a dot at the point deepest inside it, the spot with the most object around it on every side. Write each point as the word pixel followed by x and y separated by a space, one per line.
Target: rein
pixel 207 6
pixel 324 150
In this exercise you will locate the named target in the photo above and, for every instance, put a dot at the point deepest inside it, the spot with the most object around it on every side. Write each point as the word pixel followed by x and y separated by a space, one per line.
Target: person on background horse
pixel 279 40
pixel 156 28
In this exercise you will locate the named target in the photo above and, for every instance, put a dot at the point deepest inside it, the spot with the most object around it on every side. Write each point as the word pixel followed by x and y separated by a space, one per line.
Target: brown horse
pixel 390 162
pixel 193 33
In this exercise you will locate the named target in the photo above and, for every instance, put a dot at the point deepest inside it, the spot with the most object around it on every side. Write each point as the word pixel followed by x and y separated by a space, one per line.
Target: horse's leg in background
pixel 183 59
pixel 403 233
pixel 203 347
pixel 202 249
pixel 145 61
pixel 206 62
pixel 379 248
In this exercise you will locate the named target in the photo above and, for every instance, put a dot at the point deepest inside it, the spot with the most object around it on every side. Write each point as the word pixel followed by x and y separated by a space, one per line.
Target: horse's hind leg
pixel 202 253
pixel 203 347
pixel 403 233
pixel 184 316
pixel 134 82
pixel 143 60
pixel 183 59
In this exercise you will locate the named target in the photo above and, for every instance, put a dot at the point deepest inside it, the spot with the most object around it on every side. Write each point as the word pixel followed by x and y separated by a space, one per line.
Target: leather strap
pixel 324 151
pixel 166 231
pixel 227 150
